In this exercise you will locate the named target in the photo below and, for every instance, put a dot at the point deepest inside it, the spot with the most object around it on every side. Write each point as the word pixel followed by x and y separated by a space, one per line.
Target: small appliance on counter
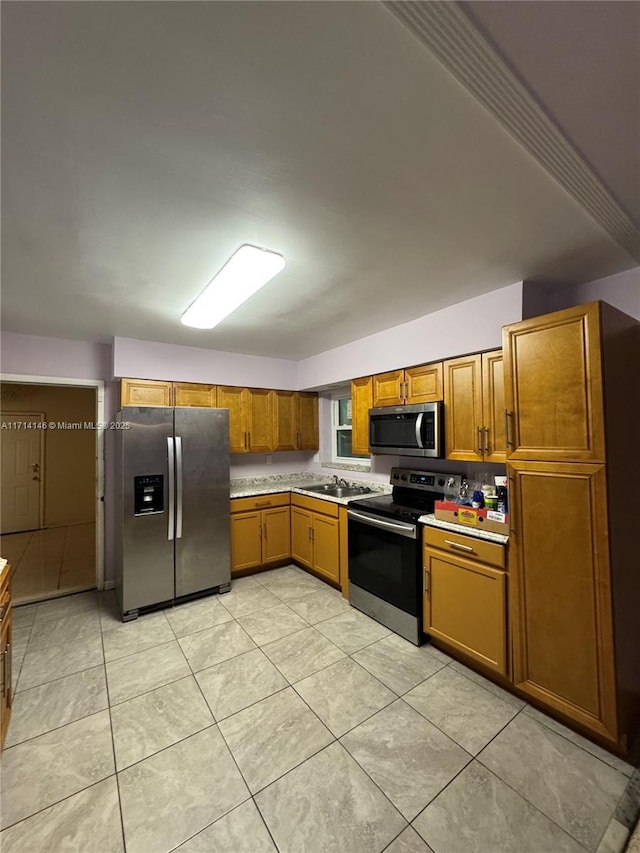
pixel 172 505
pixel 385 549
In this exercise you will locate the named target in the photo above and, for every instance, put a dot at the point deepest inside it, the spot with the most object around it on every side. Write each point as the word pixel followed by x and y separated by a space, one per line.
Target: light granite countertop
pixel 250 487
pixel 463 529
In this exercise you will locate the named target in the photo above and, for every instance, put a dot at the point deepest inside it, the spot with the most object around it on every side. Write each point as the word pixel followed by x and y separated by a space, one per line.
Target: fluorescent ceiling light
pixel 246 271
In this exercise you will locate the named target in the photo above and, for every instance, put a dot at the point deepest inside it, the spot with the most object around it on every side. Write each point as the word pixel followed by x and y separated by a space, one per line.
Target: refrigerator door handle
pixel 178 487
pixel 171 479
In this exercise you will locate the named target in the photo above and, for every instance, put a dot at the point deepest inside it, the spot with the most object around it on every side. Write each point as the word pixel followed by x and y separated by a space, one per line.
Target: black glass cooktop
pixel 398 505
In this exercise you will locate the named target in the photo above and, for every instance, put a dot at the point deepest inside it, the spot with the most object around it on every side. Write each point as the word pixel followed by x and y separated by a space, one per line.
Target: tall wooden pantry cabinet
pixel 573 437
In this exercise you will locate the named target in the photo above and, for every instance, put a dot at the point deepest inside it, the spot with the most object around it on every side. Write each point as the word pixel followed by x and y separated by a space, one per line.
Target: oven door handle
pixel 407 530
pixel 419 441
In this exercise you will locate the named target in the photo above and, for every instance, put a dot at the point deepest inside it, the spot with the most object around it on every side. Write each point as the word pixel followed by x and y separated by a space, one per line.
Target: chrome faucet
pixel 336 480
pixel 342 482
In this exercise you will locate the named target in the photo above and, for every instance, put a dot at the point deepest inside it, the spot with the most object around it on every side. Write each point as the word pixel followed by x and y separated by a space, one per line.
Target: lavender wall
pixel 469 326
pixel 621 290
pixel 36 356
pixel 151 360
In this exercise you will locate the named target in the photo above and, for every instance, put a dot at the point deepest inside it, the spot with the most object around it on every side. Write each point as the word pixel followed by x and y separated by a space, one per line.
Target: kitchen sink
pixel 338 491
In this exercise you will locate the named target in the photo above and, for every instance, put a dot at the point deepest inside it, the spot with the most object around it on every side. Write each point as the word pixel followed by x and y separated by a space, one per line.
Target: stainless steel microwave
pixel 407 430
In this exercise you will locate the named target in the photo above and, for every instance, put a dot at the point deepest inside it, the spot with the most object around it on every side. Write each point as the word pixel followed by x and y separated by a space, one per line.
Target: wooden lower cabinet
pixel 259 536
pixel 6 689
pixel 301 532
pixel 465 600
pixel 326 547
pixel 561 591
pixel 315 539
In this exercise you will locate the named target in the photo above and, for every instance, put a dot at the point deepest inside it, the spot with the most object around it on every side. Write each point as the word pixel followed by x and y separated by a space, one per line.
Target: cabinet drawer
pixel 259 502
pixel 465 546
pixel 315 505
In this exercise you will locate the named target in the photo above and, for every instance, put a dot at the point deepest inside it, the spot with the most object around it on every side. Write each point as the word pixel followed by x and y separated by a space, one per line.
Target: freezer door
pixel 146 574
pixel 203 558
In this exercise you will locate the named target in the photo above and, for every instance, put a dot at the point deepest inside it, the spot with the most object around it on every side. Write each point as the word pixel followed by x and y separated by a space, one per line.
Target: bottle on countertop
pixel 477 500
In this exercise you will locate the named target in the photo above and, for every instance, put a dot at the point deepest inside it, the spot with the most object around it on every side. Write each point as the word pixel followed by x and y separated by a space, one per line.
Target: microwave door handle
pixel 419 441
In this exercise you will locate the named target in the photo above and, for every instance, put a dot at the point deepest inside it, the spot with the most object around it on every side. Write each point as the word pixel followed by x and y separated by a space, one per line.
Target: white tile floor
pixel 277 718
pixel 51 562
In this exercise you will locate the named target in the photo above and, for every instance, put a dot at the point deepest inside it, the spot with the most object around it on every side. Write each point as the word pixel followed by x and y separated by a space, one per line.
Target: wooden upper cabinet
pixel 423 384
pixel 361 402
pixel 474 408
pixel 388 389
pixel 285 420
pixel 553 386
pixel 463 408
pixel 561 591
pixel 145 392
pixel 192 394
pixel 232 398
pixel 308 438
pixel 259 420
pixel 493 407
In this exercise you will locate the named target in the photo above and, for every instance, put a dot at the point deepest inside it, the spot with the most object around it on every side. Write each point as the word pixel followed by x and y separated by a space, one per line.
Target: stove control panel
pixel 428 481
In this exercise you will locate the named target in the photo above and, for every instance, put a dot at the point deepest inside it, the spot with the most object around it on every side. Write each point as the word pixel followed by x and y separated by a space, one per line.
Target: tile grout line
pixel 233 758
pixel 113 742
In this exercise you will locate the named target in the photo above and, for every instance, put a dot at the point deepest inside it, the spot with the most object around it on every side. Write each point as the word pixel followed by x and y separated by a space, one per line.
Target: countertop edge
pixel 431 521
pixel 277 489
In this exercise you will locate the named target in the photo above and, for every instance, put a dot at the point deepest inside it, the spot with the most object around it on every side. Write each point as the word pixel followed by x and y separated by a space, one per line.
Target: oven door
pixel 384 559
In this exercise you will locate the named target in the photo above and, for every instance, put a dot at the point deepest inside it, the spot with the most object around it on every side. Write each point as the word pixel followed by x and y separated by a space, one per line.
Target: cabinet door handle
pixel 264 530
pixel 310 529
pixel 263 503
pixel 8 687
pixel 459 546
pixel 507 415
pixel 249 440
pixel 4 674
pixel 485 430
pixel 426 582
pixel 480 446
pixel 259 530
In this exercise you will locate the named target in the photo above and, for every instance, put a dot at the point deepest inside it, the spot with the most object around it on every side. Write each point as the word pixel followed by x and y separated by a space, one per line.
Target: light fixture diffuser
pixel 246 271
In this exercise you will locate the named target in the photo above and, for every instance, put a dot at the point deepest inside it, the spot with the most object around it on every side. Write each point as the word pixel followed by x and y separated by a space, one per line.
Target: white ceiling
pixel 144 142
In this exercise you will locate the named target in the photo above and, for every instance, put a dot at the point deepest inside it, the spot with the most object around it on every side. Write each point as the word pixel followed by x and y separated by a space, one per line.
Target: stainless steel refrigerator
pixel 172 504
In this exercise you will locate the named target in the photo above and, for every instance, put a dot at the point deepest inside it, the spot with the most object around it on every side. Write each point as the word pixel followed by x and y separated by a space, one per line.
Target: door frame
pixel 98 384
pixel 43 460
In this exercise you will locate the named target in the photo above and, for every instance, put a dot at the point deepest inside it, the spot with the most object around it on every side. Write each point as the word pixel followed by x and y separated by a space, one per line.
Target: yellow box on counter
pixel 482 519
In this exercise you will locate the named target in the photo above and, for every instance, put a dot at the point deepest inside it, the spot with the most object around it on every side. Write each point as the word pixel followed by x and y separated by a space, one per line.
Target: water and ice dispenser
pixel 148 494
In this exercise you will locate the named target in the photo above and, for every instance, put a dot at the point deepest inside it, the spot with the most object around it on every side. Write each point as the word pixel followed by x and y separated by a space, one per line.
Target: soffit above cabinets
pixel 143 143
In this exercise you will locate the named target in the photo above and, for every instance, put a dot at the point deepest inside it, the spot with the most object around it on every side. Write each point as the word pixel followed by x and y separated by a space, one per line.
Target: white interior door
pixel 20 473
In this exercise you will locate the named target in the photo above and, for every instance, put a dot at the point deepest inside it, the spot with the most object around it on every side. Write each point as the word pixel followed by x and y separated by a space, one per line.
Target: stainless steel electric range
pixel 385 549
